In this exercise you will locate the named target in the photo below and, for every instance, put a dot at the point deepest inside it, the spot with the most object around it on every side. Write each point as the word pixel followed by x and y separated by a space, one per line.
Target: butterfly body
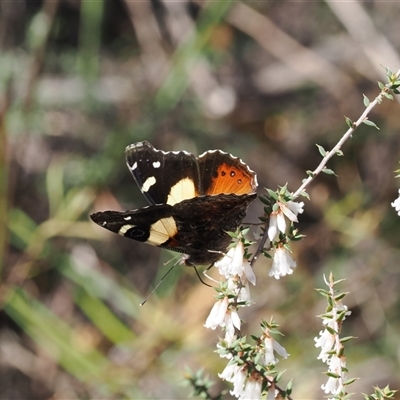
pixel 194 201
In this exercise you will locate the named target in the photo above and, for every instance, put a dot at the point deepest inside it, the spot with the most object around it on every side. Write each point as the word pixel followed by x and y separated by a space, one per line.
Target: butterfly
pixel 194 201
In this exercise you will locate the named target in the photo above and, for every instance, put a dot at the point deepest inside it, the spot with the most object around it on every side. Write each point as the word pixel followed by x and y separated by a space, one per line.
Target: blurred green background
pixel 80 80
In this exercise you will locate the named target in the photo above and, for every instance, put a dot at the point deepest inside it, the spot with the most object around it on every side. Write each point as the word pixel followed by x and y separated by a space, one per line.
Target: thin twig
pixel 327 157
pixel 345 137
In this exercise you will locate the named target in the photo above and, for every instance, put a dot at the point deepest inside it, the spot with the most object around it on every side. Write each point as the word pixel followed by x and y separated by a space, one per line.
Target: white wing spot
pixel 134 166
pixel 162 230
pixel 156 164
pixel 127 218
pixel 149 182
pixel 124 229
pixel 182 190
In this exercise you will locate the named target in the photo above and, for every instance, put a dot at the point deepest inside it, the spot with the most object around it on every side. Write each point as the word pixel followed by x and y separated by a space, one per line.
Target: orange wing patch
pixel 231 179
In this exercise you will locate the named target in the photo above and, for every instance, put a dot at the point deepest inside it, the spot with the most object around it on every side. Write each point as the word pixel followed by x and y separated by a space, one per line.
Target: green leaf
pixel 265 200
pixel 331 331
pixel 366 100
pixel 328 171
pixel 310 173
pixel 278 376
pixel 341 316
pixel 321 150
pixel 338 281
pixel 381 85
pixel 367 397
pixel 289 387
pixel 349 381
pixel 339 153
pixel 323 292
pixel 266 254
pixel 340 296
pixel 245 231
pixel 332 375
pixel 349 122
pixel 388 96
pixel 370 123
pixel 303 193
pixel 272 194
pixel 346 339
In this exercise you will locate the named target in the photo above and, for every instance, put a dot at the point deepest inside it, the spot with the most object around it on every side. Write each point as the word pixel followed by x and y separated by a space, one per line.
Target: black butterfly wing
pixel 188 227
pixel 203 222
pixel 154 225
pixel 163 177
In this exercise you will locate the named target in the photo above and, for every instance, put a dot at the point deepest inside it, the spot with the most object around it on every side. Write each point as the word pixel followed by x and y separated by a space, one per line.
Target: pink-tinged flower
pixel 396 204
pixel 269 356
pixel 217 314
pixel 232 263
pixel 248 272
pixel 325 341
pixel 241 288
pixel 271 345
pixel 280 349
pixel 231 322
pixel 238 383
pixel 277 222
pixel 336 366
pixel 292 208
pixel 330 386
pixel 282 264
pixel 244 294
pixel 252 390
pixel 230 371
pixel 235 374
pixel 272 393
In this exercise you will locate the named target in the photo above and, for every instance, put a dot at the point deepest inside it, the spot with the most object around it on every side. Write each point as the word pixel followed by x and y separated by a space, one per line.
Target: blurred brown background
pixel 266 81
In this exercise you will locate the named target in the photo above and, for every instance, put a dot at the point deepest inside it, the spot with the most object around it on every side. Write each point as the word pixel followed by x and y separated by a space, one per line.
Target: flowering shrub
pixel 251 367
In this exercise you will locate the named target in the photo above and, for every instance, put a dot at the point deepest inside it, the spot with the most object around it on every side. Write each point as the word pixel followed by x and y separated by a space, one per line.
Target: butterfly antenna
pixel 177 260
pixel 158 284
pixel 260 247
pixel 201 280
